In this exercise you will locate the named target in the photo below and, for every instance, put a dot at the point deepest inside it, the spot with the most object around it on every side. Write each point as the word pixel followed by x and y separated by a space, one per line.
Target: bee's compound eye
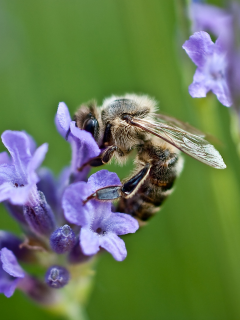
pixel 91 125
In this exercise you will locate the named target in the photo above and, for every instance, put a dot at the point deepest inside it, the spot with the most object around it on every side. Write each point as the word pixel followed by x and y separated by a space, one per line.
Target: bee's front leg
pixel 102 159
pixel 127 190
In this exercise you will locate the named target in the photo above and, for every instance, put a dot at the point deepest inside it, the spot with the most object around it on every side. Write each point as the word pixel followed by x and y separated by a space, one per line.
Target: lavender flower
pixel 41 204
pixel 211 60
pixel 10 272
pixel 84 147
pixel 210 18
pixel 100 226
pixel 18 179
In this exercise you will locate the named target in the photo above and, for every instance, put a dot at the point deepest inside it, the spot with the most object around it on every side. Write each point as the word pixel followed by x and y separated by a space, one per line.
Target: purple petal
pixel 35 162
pixel 8 286
pixel 102 216
pixel 84 147
pixel 198 47
pixel 210 18
pixel 103 178
pixel 7 173
pixel 198 89
pixel 72 203
pixel 89 241
pixel 199 76
pixel 4 158
pixel 18 196
pixel 8 190
pixel 122 223
pixel 114 245
pixel 221 90
pixel 63 119
pixel 32 143
pixel 18 145
pixel 10 264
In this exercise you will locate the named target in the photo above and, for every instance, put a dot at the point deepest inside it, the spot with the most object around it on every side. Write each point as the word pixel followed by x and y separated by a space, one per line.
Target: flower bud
pixel 62 240
pixel 40 217
pixel 57 277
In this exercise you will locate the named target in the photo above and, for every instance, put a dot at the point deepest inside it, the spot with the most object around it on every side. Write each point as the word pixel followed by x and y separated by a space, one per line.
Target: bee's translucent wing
pixel 171 121
pixel 192 144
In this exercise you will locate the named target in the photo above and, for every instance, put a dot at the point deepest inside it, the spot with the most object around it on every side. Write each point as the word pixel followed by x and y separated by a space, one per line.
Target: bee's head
pixel 86 118
pixel 130 104
pixel 116 112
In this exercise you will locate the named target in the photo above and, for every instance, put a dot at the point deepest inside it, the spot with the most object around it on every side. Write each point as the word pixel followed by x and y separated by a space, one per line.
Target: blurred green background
pixel 185 265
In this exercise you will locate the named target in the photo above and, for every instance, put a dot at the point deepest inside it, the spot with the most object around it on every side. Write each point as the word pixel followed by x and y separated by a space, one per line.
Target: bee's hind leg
pixel 127 190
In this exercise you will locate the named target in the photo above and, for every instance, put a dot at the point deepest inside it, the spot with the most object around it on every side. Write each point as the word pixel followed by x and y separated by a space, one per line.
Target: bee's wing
pixel 189 143
pixel 171 121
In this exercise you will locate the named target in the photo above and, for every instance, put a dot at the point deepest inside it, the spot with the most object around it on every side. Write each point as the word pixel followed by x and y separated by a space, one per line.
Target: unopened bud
pixel 62 240
pixel 57 277
pixel 40 217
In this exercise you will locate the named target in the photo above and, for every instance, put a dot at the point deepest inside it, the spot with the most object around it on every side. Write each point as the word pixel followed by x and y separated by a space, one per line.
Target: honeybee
pixel 131 122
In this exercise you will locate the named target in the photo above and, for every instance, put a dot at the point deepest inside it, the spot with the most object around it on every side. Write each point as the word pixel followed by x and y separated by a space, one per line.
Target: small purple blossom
pixel 210 18
pixel 77 214
pixel 83 145
pixel 18 182
pixel 18 179
pixel 100 226
pixel 10 272
pixel 211 60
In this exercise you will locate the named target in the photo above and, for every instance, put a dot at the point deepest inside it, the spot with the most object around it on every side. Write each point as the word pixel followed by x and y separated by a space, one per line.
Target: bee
pixel 131 122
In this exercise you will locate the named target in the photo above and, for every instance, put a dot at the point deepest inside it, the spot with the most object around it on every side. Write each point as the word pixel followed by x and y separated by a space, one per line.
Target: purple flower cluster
pixel 52 213
pixel 217 63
